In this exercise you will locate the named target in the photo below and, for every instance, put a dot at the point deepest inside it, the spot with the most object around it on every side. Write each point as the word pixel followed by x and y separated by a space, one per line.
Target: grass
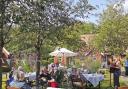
pixel 106 82
pixel 3 81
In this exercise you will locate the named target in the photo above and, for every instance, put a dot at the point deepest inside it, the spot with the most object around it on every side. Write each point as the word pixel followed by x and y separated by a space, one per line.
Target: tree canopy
pixel 113 31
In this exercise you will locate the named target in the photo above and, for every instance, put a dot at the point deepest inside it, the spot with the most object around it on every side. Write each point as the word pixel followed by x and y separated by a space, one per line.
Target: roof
pixel 87 38
pixel 5 53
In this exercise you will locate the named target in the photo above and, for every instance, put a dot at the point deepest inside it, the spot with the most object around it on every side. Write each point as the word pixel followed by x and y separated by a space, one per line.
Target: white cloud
pixel 125 5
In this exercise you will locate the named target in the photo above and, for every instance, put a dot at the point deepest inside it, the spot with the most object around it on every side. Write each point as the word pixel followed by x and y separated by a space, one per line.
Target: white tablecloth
pixel 31 76
pixel 94 79
pixel 17 84
pixel 53 88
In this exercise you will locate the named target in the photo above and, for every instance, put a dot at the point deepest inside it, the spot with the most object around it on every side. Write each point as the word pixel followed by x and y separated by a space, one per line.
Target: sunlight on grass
pixel 3 83
pixel 106 82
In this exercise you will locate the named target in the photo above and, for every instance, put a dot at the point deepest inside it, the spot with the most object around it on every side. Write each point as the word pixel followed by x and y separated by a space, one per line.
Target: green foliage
pixel 71 35
pixel 42 23
pixel 77 63
pixel 38 20
pixel 113 31
pixel 26 66
pixel 45 62
pixel 92 65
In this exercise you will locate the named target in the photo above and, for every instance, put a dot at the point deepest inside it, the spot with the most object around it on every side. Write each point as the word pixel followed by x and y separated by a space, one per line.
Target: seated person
pixel 59 75
pixel 19 78
pixel 11 78
pixel 53 70
pixel 74 72
pixel 21 74
pixel 45 75
pixel 75 78
pixel 47 78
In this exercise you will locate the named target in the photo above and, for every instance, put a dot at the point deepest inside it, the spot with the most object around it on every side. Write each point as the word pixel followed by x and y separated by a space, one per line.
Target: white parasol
pixel 63 52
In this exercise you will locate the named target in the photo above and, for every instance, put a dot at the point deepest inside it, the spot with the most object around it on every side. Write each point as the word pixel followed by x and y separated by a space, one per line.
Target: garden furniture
pixel 93 79
pixel 76 82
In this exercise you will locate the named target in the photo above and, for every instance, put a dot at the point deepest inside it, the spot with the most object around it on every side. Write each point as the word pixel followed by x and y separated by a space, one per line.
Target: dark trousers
pixel 116 75
pixel 126 70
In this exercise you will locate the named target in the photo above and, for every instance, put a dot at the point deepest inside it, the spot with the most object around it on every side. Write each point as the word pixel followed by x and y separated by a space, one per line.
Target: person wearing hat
pixel 126 66
pixel 116 63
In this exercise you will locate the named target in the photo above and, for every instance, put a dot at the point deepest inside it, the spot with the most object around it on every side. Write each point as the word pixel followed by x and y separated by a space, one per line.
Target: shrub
pixel 26 66
pixel 92 65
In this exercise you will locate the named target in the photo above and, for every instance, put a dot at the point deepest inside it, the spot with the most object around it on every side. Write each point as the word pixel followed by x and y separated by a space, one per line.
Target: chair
pixel 125 87
pixel 76 82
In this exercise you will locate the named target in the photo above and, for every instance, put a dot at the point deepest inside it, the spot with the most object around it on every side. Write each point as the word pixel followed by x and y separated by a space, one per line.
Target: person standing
pixel 117 71
pixel 126 66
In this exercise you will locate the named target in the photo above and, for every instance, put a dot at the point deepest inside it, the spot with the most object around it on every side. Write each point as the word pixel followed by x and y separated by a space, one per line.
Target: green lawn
pixel 106 82
pixel 3 81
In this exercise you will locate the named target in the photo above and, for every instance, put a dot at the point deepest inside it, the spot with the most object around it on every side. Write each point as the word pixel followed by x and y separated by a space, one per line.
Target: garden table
pixel 94 79
pixel 31 76
pixel 53 88
pixel 16 84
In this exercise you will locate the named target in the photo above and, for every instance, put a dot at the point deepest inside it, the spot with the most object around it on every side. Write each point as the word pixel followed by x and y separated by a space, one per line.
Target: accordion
pixel 112 69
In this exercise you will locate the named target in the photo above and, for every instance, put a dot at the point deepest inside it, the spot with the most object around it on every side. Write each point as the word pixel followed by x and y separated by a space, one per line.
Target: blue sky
pixel 100 6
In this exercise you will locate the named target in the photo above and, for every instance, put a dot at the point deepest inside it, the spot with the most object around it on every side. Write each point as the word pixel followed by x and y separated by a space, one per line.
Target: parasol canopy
pixel 63 52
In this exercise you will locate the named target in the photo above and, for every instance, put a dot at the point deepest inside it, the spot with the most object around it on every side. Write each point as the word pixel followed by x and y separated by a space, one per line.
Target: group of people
pixel 17 79
pixel 51 75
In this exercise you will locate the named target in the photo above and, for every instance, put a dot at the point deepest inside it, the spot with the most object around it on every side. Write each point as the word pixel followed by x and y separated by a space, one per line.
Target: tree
pixel 42 17
pixel 46 17
pixel 72 35
pixel 8 17
pixel 113 32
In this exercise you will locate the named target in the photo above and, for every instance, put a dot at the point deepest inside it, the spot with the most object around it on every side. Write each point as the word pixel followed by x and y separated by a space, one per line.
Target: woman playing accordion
pixel 115 68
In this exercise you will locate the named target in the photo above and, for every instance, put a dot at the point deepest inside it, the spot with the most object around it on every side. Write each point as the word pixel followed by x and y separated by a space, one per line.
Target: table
pixel 17 84
pixel 31 76
pixel 94 79
pixel 53 88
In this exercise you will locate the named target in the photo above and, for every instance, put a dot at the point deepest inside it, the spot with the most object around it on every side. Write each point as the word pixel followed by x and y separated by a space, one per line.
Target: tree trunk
pixel 2 8
pixel 38 68
pixel 38 48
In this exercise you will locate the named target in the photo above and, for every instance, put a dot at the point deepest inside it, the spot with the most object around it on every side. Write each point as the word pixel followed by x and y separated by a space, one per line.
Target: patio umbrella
pixel 63 51
pixel 6 53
